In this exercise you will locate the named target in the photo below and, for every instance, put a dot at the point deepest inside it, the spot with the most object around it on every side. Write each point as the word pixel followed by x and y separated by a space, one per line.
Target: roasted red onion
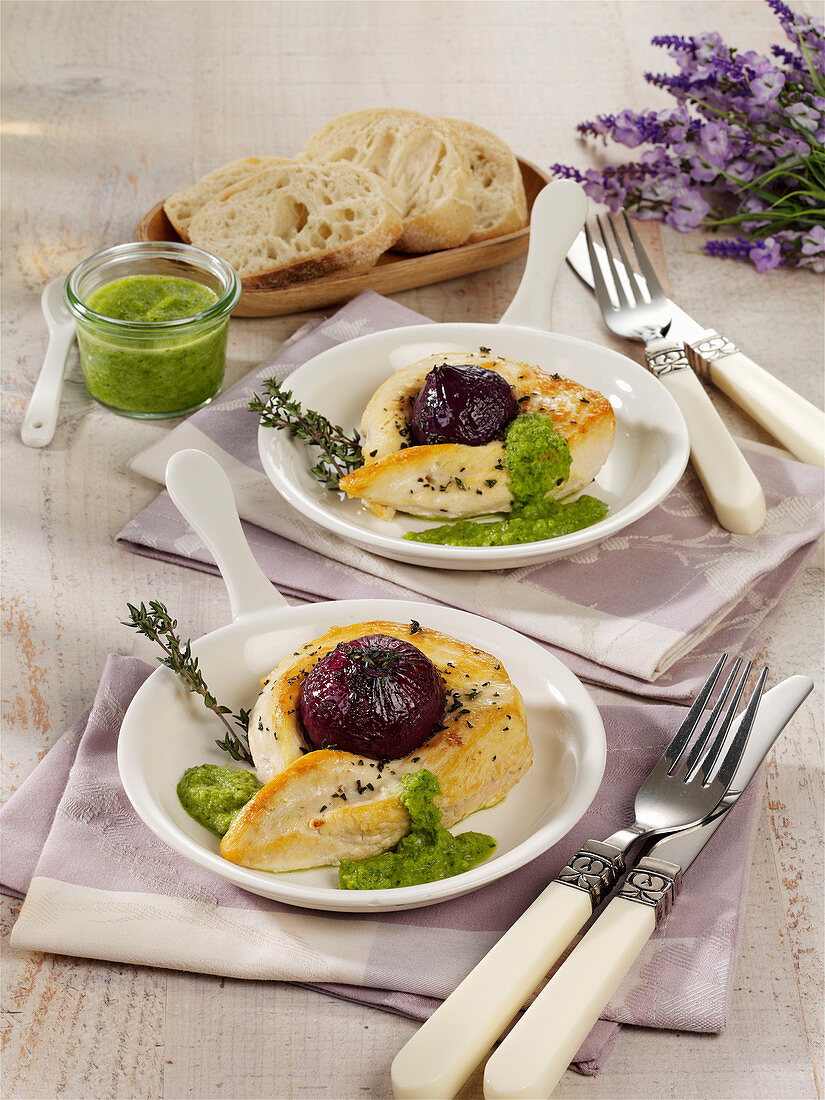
pixel 462 404
pixel 376 696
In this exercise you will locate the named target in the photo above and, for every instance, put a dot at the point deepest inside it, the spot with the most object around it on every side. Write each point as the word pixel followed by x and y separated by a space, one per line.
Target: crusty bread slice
pixel 181 207
pixel 298 221
pixel 423 163
pixel 496 182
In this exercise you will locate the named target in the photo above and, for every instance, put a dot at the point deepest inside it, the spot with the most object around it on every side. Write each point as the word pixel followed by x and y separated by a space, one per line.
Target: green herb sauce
pixel 151 298
pixel 427 853
pixel 213 795
pixel 156 373
pixel 538 461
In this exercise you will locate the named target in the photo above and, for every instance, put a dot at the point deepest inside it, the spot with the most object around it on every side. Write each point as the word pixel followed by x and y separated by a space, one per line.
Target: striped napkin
pixel 99 884
pixel 646 611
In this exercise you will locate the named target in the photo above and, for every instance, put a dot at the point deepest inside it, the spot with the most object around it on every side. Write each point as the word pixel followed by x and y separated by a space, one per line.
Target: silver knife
pixel 795 422
pixel 446 1049
pixel 532 1058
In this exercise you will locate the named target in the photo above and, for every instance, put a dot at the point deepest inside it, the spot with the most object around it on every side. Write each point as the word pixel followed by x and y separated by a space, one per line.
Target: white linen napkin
pixel 98 884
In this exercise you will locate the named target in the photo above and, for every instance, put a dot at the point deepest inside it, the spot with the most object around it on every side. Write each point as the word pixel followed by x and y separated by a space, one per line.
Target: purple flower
pixel 738 249
pixel 701 171
pixel 600 127
pixel 629 129
pixel 753 204
pixel 593 183
pixel 756 64
pixel 741 170
pixel 812 249
pixel 789 144
pixel 813 242
pixel 805 115
pixel 687 211
pixel 678 124
pixel 768 86
pixel 785 56
pixel 710 46
pixel 743 144
pixel 565 172
pixel 714 143
pixel 672 42
pixel 765 254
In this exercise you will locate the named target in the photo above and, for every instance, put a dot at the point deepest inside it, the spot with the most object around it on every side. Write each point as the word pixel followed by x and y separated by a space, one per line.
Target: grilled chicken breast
pixel 428 480
pixel 320 807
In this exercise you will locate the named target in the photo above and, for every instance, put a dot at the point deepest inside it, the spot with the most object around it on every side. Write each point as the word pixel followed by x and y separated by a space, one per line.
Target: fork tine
pixel 708 759
pixel 603 296
pixel 654 287
pixel 621 293
pixel 633 280
pixel 729 765
pixel 691 720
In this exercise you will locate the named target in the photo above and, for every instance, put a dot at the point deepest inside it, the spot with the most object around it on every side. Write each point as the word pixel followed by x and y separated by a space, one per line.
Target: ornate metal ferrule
pixel 595 869
pixel 667 359
pixel 706 350
pixel 653 882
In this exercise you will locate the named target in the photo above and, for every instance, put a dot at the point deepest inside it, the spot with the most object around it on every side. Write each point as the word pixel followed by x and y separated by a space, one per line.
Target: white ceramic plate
pixel 648 457
pixel 167 730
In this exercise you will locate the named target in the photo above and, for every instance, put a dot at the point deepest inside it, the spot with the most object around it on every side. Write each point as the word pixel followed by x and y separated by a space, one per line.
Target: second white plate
pixel 648 457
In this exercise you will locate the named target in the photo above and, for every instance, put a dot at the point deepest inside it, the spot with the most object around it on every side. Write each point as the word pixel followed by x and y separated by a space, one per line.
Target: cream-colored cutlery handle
pixel 446 1049
pixel 730 484
pixel 779 409
pixel 533 1057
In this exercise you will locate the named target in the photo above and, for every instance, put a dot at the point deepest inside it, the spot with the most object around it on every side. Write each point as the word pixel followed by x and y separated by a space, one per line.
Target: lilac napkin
pixel 635 613
pixel 99 884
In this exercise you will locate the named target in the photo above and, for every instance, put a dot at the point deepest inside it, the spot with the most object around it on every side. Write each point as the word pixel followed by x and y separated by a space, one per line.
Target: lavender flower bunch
pixel 742 151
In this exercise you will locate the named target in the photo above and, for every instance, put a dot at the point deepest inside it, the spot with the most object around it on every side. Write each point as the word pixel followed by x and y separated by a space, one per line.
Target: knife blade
pixel 532 1058
pixel 444 1051
pixel 782 412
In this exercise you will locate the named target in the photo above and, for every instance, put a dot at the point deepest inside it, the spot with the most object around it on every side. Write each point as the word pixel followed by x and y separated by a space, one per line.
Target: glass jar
pixel 153 368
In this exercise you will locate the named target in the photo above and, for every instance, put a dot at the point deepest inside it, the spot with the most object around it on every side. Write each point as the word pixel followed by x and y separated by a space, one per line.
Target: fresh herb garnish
pixel 340 453
pixel 157 624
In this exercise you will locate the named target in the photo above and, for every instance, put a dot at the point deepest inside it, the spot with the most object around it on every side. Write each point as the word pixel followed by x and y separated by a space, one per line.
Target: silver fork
pixel 686 787
pixel 731 486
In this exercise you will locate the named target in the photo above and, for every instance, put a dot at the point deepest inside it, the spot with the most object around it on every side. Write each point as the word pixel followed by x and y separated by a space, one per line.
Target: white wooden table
pixel 107 107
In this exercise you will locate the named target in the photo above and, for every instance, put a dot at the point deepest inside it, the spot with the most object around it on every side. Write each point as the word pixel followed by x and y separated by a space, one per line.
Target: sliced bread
pixel 423 163
pixel 496 182
pixel 298 221
pixel 181 207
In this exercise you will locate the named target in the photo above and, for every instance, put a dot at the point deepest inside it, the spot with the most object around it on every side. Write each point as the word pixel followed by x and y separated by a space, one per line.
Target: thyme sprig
pixel 340 453
pixel 155 623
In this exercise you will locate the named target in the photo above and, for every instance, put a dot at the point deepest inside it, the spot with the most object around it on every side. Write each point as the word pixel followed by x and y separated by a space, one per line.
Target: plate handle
pixel 201 492
pixel 558 214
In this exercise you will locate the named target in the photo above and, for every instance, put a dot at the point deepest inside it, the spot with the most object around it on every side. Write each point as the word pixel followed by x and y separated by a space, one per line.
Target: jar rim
pixel 197 257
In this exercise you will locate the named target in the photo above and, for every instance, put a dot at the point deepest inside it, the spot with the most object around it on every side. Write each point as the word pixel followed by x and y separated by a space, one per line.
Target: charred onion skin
pixel 375 696
pixel 462 404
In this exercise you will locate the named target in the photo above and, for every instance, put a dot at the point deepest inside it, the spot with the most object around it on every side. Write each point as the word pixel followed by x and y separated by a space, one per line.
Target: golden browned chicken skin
pixel 320 807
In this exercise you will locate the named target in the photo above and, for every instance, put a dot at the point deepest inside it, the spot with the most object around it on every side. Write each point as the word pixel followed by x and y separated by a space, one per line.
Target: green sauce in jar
pixel 151 298
pixel 142 370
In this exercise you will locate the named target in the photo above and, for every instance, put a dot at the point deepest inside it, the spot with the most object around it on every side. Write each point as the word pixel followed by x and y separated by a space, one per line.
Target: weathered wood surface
pixel 108 107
